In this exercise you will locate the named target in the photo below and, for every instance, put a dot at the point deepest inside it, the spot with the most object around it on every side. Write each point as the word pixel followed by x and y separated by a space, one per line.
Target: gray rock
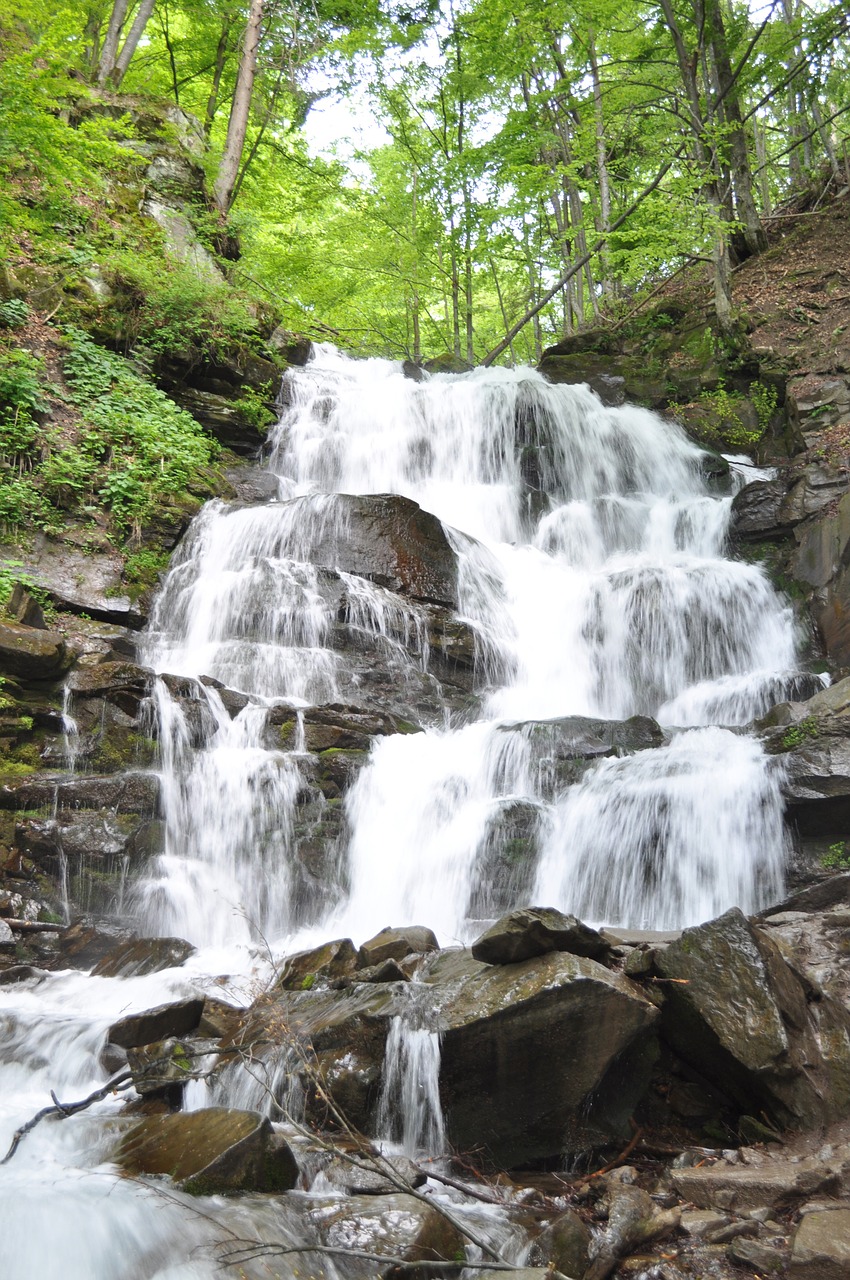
pixel 253 484
pixel 736 1011
pixel 563 1244
pixel 776 1183
pixel 558 1046
pixel 302 971
pixel 78 580
pixel 821 1249
pixel 395 944
pixel 161 1023
pixel 362 1177
pixel 534 931
pixel 762 1259
pixel 209 1151
pixel 395 1225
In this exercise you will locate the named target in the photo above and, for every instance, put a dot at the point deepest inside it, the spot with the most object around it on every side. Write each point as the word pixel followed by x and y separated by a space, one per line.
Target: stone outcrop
pixel 740 1015
pixel 397 1226
pixel 32 653
pixel 176 1019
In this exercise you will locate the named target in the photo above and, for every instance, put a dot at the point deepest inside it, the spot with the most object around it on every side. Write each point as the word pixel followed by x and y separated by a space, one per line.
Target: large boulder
pixel 139 956
pixel 301 972
pixel 740 1015
pixel 210 1151
pixel 395 944
pixel 534 931
pixel 813 740
pixel 540 1058
pixel 821 1248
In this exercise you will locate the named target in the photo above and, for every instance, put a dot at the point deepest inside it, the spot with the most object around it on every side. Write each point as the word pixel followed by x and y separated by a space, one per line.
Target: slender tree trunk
pixel 505 320
pixel 741 172
pixel 826 142
pixel 134 35
pixel 218 72
pixel 602 176
pixel 417 338
pixel 796 113
pixel 760 135
pixel 109 50
pixel 237 127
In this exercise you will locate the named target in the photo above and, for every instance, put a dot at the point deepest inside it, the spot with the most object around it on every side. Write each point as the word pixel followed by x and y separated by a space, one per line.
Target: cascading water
pixel 590 571
pixel 590 566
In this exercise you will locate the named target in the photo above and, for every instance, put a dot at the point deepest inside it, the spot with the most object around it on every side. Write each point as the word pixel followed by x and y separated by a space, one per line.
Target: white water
pixel 611 599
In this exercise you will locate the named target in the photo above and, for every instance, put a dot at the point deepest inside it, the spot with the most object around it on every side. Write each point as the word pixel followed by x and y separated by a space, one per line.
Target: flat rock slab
pixel 166 1020
pixel 79 581
pixel 738 1187
pixel 210 1151
pixel 821 1248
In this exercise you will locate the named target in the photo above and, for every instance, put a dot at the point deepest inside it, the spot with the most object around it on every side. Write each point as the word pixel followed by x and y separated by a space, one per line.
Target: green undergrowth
pixel 130 447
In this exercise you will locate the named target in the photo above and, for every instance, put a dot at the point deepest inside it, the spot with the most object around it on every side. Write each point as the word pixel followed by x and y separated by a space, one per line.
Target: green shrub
pixel 14 314
pixel 837 857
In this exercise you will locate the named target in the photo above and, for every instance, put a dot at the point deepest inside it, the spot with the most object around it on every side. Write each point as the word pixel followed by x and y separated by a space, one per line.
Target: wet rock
pixel 32 654
pixel 84 943
pixel 165 1067
pixel 739 1014
pixel 391 541
pixel 395 944
pixel 121 683
pixel 369 1178
pixel 78 579
pixel 143 955
pixel 304 970
pixel 334 727
pixel 761 1259
pixel 23 608
pixel 633 1220
pixel 7 938
pixel 210 1151
pixel 564 1245
pixel 534 931
pixel 21 972
pixel 253 484
pixel 130 792
pixel 164 1022
pixel 559 1046
pixel 821 1249
pixel 386 971
pixel 397 1226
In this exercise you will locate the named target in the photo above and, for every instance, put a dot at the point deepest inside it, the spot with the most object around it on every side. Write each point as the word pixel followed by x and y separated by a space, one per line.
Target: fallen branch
pixel 35 926
pixel 400 1266
pixel 124 1080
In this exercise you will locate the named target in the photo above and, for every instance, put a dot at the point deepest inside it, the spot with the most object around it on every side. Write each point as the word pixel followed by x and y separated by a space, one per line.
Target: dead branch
pixel 116 1084
pixel 35 926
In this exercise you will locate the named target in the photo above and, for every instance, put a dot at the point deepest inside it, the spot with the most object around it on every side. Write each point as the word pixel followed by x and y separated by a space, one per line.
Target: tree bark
pixel 237 127
pixel 218 72
pixel 109 50
pixel 134 35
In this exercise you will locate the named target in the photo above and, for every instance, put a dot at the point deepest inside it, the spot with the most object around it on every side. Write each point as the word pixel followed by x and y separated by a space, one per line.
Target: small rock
pixel 762 1259
pixel 302 971
pixel 166 1020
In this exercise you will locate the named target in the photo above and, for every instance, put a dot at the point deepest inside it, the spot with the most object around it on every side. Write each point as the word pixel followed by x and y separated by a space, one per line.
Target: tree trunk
pixel 602 176
pixel 237 126
pixel 742 178
pixel 109 51
pixel 140 21
pixel 218 72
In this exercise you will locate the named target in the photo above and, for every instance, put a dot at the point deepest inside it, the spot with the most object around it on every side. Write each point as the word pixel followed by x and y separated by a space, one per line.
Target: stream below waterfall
pixel 591 574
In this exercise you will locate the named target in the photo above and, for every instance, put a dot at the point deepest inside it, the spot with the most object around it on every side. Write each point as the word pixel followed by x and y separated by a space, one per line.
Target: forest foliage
pixel 518 151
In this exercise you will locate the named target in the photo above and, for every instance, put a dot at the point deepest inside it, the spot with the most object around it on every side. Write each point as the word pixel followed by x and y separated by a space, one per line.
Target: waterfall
pixel 410 1112
pixel 591 573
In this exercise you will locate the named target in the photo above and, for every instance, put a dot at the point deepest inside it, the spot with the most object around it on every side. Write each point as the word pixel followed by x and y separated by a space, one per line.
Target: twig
pixel 624 1155
pixel 35 926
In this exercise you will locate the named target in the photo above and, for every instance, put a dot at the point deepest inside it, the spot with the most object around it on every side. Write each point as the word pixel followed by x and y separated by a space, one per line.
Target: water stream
pixel 592 574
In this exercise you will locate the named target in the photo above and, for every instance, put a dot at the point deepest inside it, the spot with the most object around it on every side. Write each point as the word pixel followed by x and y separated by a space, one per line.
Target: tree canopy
pixel 533 164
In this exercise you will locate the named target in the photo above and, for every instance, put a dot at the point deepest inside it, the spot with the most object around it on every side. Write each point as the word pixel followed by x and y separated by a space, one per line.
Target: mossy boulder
pixel 31 653
pixel 210 1151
